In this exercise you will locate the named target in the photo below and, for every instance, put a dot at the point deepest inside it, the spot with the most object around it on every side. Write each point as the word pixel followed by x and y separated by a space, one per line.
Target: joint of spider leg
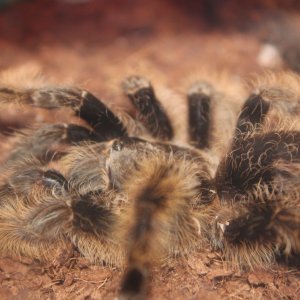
pixel 76 134
pixel 90 216
pixel 7 91
pixel 239 172
pixel 199 103
pixel 143 99
pixel 205 192
pixel 54 98
pixel 119 144
pixel 55 180
pixel 23 181
pixel 201 88
pixel 246 223
pixel 134 83
pixel 99 117
pixel 125 157
pixel 50 180
pixel 129 142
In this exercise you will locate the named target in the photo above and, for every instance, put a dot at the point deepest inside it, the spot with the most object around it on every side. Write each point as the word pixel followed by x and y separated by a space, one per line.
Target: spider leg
pixel 83 103
pixel 94 228
pixel 49 142
pixel 199 104
pixel 87 168
pixel 149 110
pixel 41 213
pixel 252 113
pixel 265 225
pixel 34 211
pixel 253 154
pixel 257 184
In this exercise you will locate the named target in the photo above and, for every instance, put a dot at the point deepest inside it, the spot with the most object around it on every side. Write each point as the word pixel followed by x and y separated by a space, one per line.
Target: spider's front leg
pixel 149 110
pixel 89 108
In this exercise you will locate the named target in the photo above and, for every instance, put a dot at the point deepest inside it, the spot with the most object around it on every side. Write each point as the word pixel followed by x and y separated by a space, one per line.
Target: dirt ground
pixel 95 44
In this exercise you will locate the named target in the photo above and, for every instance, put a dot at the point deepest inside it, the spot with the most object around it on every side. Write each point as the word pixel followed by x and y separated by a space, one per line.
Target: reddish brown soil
pixel 95 45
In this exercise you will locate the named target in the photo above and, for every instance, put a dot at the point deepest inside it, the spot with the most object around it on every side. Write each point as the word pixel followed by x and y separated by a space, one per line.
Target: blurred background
pixel 94 44
pixel 94 41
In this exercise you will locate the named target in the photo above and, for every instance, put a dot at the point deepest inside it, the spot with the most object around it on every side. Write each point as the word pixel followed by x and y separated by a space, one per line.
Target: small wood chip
pixel 260 279
pixel 219 274
pixel 197 265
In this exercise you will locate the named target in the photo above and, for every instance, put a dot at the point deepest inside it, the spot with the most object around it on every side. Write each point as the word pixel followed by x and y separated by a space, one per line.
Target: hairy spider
pixel 125 196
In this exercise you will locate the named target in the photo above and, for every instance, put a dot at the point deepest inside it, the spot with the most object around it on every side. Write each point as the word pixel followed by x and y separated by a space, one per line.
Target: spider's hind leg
pixel 149 110
pixel 160 220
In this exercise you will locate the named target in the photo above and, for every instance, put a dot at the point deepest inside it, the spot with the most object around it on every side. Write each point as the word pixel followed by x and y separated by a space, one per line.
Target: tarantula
pixel 125 196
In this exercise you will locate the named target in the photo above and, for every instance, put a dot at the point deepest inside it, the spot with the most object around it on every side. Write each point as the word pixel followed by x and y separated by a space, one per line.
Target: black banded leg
pixel 33 217
pixel 85 105
pixel 93 227
pixel 92 215
pixel 76 134
pixel 150 111
pixel 24 181
pixel 199 104
pixel 54 180
pixel 249 225
pixel 46 143
pixel 103 120
pixel 252 113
